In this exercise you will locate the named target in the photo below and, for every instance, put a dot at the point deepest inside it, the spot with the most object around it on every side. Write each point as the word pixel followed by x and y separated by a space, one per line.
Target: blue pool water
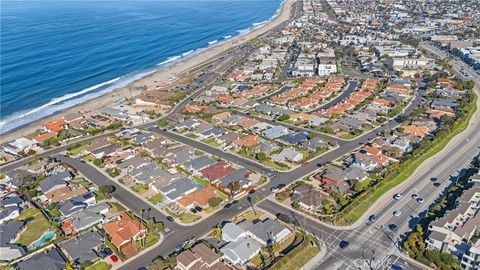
pixel 45 238
pixel 56 54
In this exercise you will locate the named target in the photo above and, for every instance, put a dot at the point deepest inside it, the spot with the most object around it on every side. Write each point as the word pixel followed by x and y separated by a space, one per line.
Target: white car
pixel 397 213
pixel 415 196
pixel 274 189
pixel 419 200
pixel 398 196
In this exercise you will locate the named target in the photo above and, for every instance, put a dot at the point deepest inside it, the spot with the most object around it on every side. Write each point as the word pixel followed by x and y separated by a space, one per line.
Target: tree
pixel 97 162
pixel 283 117
pixel 275 247
pixel 106 189
pixel 284 218
pixel 234 187
pixel 218 232
pixel 261 156
pixel 312 135
pixel 214 202
pixel 162 122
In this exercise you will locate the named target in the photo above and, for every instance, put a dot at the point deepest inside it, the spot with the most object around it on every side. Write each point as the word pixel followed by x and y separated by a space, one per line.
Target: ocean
pixel 56 54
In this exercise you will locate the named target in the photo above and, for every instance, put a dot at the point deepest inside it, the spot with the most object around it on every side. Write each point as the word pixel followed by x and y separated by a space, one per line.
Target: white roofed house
pixel 20 146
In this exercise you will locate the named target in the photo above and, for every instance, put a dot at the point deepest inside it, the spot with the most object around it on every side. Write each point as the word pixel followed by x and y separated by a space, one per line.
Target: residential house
pixel 333 180
pixel 20 146
pixel 55 181
pixel 288 154
pixel 123 229
pixel 48 259
pixel 266 231
pixel 82 248
pixel 9 232
pixel 275 132
pixel 309 198
pixel 199 163
pixel 294 138
pixel 198 197
pixel 200 257
pixel 247 141
pixel 178 188
pixel 240 176
pixel 240 248
pixel 216 171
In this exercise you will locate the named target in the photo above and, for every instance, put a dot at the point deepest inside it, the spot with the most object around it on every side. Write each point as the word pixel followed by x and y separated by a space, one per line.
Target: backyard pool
pixel 44 239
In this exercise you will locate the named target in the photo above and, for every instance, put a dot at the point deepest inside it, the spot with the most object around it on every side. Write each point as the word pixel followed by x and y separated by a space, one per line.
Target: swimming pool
pixel 44 239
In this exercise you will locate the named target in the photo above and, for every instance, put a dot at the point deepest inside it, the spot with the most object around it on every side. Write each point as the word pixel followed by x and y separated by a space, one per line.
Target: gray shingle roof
pixel 52 260
pixel 80 249
pixel 178 188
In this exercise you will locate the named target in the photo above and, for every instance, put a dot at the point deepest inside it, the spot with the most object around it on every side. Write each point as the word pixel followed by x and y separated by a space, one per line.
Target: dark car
pixel 170 218
pixel 108 251
pixel 280 186
pixel 234 202
pixel 101 255
pixel 393 227
pixel 433 179
pixel 198 208
pixel 436 184
pixel 193 210
pixel 343 244
pixel 396 267
pixel 251 191
pixel 373 218
pixel 228 205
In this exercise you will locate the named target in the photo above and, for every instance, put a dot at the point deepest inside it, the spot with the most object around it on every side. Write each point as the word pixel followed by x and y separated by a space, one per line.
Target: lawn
pixel 116 207
pixel 139 188
pixel 211 142
pixel 298 257
pixel 155 199
pixel 99 266
pixel 188 218
pixel 88 158
pixel 250 215
pixel 192 136
pixel 150 240
pixel 275 165
pixel 37 224
pixel 76 151
pixel 82 182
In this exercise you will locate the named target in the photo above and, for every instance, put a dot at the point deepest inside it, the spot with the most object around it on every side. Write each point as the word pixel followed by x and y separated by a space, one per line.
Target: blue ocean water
pixel 55 54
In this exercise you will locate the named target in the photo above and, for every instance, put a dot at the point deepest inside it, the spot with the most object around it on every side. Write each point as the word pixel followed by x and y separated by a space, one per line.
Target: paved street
pixel 352 85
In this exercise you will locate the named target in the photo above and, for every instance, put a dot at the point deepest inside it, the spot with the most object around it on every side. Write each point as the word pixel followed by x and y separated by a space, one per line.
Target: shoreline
pixel 163 74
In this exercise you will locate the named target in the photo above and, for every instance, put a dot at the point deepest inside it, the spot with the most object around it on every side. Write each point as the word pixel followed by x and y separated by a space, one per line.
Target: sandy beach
pixel 162 74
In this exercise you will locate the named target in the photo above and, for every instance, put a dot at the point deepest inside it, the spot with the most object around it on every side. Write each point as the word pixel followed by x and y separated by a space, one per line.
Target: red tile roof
pixel 217 171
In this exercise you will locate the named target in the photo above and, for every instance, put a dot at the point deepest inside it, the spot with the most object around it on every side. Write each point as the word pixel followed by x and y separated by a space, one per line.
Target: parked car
pixel 419 200
pixel 198 208
pixel 108 251
pixel 414 196
pixel 170 218
pixel 373 218
pixel 193 210
pixel 436 184
pixel 397 213
pixel 274 189
pixel 114 258
pixel 251 191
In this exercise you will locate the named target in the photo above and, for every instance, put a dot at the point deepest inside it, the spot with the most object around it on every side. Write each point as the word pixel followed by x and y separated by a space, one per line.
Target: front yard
pixel 300 255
